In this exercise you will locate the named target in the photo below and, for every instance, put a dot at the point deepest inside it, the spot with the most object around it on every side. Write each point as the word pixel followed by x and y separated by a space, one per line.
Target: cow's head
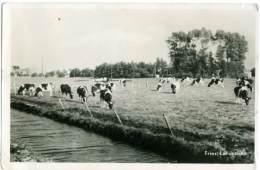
pixel 247 99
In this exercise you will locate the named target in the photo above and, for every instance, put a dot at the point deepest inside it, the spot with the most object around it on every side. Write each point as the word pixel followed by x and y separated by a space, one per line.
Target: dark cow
pixel 66 89
pixel 106 95
pixel 216 81
pixel 82 92
pixel 26 87
pixel 242 92
pixel 175 86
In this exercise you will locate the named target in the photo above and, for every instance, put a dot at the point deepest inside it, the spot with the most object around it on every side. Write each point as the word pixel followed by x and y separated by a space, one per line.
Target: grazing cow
pixel 197 81
pixel 159 86
pixel 66 89
pixel 110 86
pixel 245 82
pixel 123 81
pixel 96 88
pixel 175 86
pixel 216 81
pixel 46 87
pixel 186 80
pixel 162 80
pixel 242 92
pixel 106 95
pixel 26 88
pixel 82 92
pixel 183 78
pixel 38 92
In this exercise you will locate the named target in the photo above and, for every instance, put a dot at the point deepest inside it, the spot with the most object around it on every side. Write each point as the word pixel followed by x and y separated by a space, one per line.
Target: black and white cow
pixel 245 82
pixel 97 87
pixel 216 81
pixel 82 92
pixel 38 92
pixel 123 81
pixel 159 86
pixel 66 89
pixel 106 95
pixel 110 86
pixel 197 81
pixel 47 87
pixel 241 92
pixel 26 88
pixel 163 80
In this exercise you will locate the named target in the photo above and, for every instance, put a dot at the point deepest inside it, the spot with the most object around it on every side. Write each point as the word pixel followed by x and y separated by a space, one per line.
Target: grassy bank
pixel 22 153
pixel 183 147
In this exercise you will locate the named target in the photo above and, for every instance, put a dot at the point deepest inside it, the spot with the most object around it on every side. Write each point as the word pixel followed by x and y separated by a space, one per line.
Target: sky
pixel 67 36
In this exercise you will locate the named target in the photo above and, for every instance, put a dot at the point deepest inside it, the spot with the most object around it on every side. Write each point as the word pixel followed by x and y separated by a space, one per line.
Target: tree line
pixel 130 69
pixel 117 70
pixel 189 53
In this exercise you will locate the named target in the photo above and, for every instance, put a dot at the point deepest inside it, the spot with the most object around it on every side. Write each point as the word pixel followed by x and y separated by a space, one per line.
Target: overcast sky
pixel 78 35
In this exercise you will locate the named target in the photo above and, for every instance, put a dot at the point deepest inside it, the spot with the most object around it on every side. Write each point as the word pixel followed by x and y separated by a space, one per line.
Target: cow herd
pixel 241 90
pixel 106 88
pixel 35 91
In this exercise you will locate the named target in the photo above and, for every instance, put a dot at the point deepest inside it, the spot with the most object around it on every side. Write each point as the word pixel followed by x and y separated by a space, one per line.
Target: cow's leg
pixel 236 100
pixel 50 92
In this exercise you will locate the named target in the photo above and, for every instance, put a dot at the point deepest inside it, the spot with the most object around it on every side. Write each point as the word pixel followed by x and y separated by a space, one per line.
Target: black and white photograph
pixel 131 83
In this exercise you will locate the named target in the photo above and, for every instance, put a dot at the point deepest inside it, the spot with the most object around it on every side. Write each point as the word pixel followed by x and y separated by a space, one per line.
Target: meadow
pixel 200 117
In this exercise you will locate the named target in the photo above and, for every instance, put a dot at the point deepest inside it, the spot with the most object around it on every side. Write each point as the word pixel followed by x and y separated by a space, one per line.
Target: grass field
pixel 196 114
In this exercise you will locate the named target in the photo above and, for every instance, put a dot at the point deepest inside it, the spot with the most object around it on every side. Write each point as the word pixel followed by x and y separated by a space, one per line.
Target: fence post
pixel 61 104
pixel 86 105
pixel 118 117
pixel 166 120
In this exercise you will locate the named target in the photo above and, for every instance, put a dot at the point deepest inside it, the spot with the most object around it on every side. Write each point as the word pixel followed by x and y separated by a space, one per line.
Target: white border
pixel 5 94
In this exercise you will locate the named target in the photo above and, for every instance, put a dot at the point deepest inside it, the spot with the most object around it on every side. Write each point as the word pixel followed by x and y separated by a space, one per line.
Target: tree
pixel 75 72
pixel 34 75
pixel 50 74
pixel 61 73
pixel 87 72
pixel 189 53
